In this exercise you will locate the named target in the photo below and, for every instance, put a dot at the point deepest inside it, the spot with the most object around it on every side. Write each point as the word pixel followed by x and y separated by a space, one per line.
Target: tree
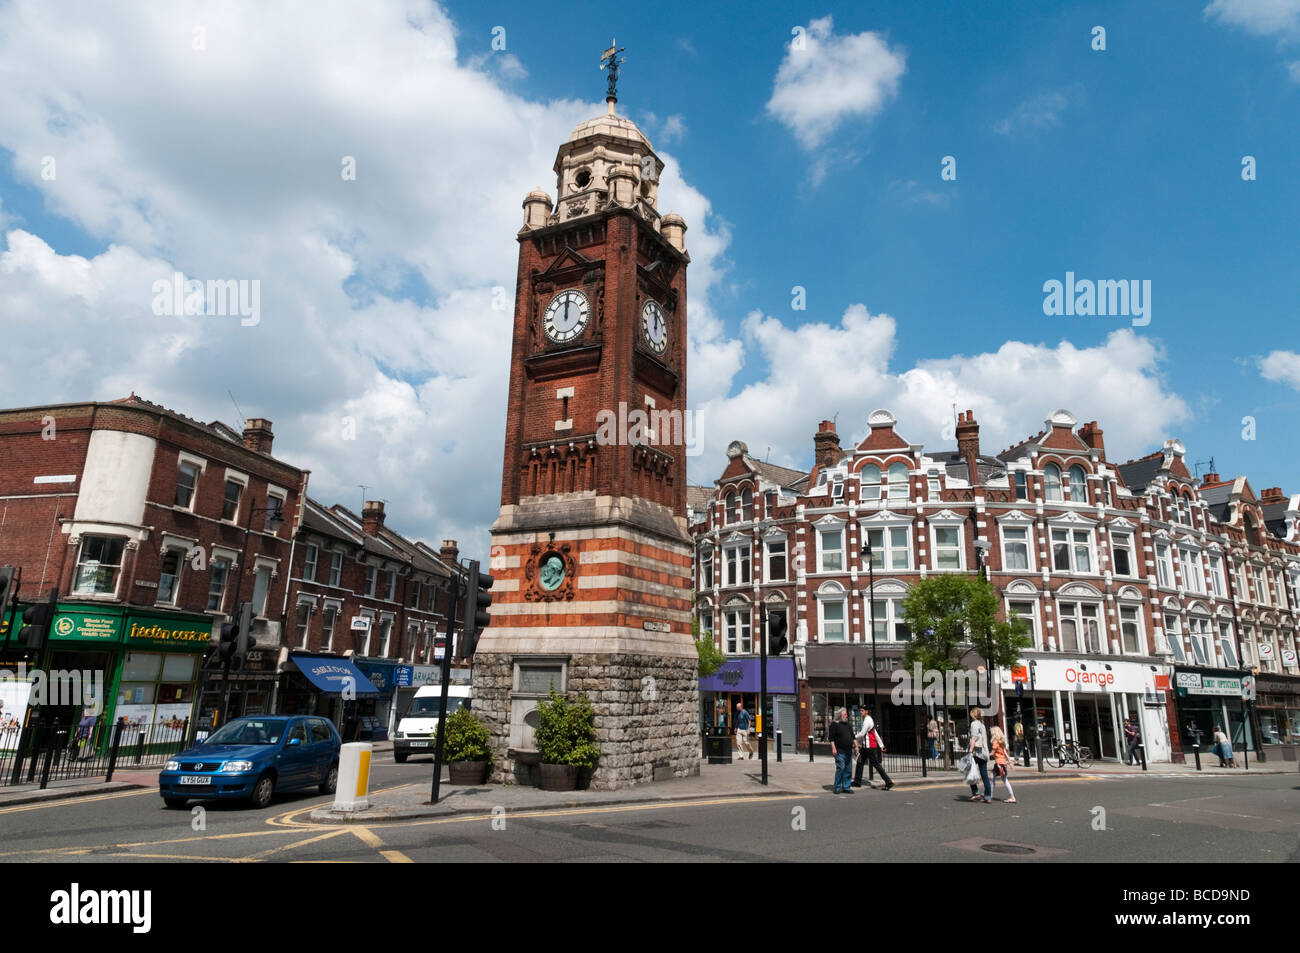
pixel 710 658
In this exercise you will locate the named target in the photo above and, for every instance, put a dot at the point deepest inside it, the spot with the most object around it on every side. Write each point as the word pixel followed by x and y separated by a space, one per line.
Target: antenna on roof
pixel 1196 471
pixel 363 496
pixel 242 422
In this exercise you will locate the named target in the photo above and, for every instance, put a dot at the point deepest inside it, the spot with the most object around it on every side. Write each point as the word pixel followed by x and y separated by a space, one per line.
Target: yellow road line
pixel 396 857
pixel 260 855
pixel 366 836
pixel 72 801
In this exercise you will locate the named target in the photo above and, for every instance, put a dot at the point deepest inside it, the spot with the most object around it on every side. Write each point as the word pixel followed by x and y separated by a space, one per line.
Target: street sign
pixel 1020 673
pixel 360 623
pixel 1248 688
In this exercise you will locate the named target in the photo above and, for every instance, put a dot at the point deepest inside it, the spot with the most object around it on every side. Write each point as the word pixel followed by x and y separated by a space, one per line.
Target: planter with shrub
pixel 565 739
pixel 467 748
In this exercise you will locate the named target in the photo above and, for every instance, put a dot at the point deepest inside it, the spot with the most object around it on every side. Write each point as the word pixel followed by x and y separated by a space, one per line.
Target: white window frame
pixel 1047 484
pixel 1200 633
pixel 1174 637
pixel 872 490
pixel 371 584
pixel 365 636
pixel 1216 576
pixel 1082 636
pixel 1164 564
pixel 738 629
pixel 1072 544
pixel 327 632
pixel 1070 482
pixel 1227 642
pixel 1139 647
pixel 1030 544
pixel 228 562
pixel 738 560
pixel 898 489
pixel 836 531
pixel 197 464
pixel 386 623
pixel 392 585
pixel 117 568
pixel 1260 584
pixel 1035 629
pixel 310 561
pixel 275 493
pixel 838 599
pixel 260 563
pixel 957 524
pixel 300 639
pixel 891 619
pixel 1189 562
pixel 776 539
pixel 180 549
pixel 883 556
pixel 706 568
pixel 1124 539
pixel 336 569
pixel 233 476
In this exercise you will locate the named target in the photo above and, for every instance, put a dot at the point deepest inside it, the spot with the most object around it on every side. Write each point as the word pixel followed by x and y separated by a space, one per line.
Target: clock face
pixel 566 316
pixel 654 326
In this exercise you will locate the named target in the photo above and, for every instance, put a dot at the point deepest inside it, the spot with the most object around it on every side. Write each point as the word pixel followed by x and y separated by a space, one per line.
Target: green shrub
pixel 710 658
pixel 467 739
pixel 566 731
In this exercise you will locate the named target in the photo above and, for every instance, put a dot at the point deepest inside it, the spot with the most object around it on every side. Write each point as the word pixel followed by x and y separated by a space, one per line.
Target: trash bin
pixel 717 745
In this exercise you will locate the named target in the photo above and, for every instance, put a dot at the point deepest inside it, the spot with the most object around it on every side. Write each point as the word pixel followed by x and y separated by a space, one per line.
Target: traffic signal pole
pixel 446 683
pixel 762 689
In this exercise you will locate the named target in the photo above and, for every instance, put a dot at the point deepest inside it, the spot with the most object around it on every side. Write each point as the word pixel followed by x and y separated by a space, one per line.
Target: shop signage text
pixel 87 627
pixel 1194 683
pixel 1100 679
pixel 162 633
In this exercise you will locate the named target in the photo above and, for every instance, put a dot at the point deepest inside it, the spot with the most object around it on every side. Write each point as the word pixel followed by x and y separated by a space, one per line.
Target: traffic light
pixel 229 636
pixel 777 643
pixel 477 600
pixel 36 625
pixel 237 634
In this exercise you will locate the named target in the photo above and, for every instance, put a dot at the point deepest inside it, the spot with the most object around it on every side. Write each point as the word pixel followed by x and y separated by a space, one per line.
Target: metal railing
pixel 39 754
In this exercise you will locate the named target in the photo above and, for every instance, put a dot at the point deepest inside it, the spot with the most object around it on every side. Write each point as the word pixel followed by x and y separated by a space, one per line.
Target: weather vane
pixel 611 59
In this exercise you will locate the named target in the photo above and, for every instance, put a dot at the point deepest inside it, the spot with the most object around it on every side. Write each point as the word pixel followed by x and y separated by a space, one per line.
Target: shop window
pixel 98 565
pixel 169 576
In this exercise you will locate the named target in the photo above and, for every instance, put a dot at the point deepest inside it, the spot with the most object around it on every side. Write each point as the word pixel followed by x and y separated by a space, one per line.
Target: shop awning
pixel 333 675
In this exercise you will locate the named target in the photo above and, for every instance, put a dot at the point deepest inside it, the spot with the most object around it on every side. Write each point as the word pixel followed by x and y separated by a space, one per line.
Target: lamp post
pixel 1033 694
pixel 274 523
pixel 763 529
pixel 871 617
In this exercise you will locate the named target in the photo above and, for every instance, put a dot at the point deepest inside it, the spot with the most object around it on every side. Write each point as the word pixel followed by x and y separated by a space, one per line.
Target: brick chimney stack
pixel 372 517
pixel 826 444
pixel 450 552
pixel 1273 494
pixel 1210 479
pixel 1090 434
pixel 968 443
pixel 257 435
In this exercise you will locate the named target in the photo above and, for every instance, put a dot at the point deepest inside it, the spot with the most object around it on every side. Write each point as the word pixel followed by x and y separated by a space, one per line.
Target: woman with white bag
pixel 979 752
pixel 1002 762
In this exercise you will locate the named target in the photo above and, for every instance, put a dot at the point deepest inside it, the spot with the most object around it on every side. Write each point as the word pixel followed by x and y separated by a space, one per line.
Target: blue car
pixel 252 757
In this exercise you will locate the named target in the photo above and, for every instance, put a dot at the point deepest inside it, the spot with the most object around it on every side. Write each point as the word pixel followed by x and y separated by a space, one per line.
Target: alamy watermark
pixel 227 297
pixel 650 427
pixel 1104 298
pixel 80 687
pixel 958 688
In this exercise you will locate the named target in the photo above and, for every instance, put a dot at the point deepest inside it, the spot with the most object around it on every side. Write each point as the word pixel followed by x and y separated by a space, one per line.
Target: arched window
pixel 1078 485
pixel 732 514
pixel 870 476
pixel 1052 479
pixel 898 481
pixel 747 504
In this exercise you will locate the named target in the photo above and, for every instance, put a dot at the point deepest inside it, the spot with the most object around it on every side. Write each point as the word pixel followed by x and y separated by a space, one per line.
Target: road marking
pixel 366 836
pixel 396 857
pixel 261 855
pixel 71 801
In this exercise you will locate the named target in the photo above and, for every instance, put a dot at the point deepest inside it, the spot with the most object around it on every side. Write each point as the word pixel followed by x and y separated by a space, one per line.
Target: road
pixel 1127 819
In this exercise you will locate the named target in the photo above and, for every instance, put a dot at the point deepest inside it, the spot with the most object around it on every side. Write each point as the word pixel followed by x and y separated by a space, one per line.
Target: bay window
pixel 98 565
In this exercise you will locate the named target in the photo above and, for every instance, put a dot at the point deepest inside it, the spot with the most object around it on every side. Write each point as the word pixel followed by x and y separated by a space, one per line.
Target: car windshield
pixel 254 731
pixel 430 706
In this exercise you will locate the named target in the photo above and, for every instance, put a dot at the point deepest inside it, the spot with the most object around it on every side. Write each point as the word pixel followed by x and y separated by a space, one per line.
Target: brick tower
pixel 590 551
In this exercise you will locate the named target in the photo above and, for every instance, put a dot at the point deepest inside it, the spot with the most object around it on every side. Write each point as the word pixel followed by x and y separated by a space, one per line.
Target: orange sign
pixel 1019 673
pixel 1162 683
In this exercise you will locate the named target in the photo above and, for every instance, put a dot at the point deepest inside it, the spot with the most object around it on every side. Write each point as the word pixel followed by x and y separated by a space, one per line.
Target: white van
pixel 417 732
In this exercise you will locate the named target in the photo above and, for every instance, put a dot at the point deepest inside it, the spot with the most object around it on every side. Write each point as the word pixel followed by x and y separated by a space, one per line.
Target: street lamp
pixel 1033 694
pixel 763 528
pixel 871 617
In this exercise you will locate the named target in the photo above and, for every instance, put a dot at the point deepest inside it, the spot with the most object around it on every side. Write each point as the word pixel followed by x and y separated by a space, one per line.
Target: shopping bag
pixel 964 764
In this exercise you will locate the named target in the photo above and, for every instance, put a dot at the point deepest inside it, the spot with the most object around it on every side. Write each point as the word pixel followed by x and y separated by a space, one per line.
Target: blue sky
pixel 818 168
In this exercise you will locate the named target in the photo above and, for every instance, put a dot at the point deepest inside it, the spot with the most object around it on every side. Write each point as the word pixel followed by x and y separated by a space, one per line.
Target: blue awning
pixel 333 675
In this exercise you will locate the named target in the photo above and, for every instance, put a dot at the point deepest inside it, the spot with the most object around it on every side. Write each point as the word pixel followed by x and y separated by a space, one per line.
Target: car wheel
pixel 331 780
pixel 399 758
pixel 175 801
pixel 263 791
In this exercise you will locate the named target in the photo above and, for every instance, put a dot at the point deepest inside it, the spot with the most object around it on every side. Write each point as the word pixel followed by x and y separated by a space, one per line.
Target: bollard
pixel 350 794
pixel 810 744
pixel 1142 753
pixel 1196 749
pixel 778 744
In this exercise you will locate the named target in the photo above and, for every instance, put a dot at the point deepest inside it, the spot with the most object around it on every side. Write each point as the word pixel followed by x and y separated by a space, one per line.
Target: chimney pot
pixel 450 552
pixel 372 517
pixel 257 435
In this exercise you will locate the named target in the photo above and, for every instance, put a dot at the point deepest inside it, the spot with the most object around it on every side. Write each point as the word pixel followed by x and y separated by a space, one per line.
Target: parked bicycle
pixel 1065 752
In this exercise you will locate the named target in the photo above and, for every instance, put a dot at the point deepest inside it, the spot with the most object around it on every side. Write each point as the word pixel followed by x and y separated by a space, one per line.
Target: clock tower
pixel 590 552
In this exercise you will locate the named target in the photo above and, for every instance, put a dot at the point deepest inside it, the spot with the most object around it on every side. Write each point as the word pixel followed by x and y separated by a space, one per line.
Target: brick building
pixel 1120 571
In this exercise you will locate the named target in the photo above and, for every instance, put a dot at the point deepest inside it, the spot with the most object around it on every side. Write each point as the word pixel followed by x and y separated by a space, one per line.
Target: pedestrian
pixel 978 749
pixel 742 730
pixel 860 743
pixel 1131 738
pixel 842 745
pixel 1001 762
pixel 1224 747
pixel 932 739
pixel 1020 739
pixel 873 750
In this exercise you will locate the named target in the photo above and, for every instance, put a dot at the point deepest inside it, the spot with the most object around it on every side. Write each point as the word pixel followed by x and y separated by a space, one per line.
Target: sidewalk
pixel 789 778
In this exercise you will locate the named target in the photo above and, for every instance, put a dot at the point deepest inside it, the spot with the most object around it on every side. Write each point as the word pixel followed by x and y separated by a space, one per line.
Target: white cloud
pixel 825 79
pixel 1281 366
pixel 1260 17
pixel 1041 111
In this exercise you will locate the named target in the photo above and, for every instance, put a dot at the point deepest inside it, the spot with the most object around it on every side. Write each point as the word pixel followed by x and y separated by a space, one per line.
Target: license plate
pixel 419 744
pixel 195 779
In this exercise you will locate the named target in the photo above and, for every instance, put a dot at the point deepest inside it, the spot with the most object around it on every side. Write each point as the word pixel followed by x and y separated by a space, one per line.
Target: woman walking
pixel 1001 762
pixel 978 749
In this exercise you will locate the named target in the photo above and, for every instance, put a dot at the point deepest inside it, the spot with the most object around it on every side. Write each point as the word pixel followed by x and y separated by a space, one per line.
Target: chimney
pixel 372 517
pixel 1273 494
pixel 1209 479
pixel 826 444
pixel 450 552
pixel 968 444
pixel 257 435
pixel 1090 434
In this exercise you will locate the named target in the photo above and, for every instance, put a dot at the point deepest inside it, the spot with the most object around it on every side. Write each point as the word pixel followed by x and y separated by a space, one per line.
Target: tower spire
pixel 612 60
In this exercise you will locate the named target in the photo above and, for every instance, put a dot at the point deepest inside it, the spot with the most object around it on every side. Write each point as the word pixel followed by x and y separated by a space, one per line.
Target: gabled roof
pixel 784 477
pixel 376 545
pixel 1218 497
pixel 1139 473
pixel 318 519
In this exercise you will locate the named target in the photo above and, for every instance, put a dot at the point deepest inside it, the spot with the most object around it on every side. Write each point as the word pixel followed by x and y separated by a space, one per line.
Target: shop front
pixel 739 681
pixel 1277 712
pixel 327 685
pixel 375 714
pixel 841 676
pixel 252 685
pixel 1205 698
pixel 1086 700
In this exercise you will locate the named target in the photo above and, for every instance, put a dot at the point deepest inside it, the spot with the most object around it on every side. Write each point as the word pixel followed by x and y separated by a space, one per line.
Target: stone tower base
pixel 647 714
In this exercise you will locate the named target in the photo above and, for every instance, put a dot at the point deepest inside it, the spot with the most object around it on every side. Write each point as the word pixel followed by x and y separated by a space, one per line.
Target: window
pixel 1016 546
pixel 870 476
pixel 169 576
pixel 275 510
pixel 303 623
pixel 363 637
pixel 186 481
pixel 769 503
pixel 830 550
pixel 892 551
pixel 1022 485
pixel 776 560
pixel 261 587
pixel 1122 545
pixel 932 489
pixel 738 634
pixel 327 627
pixel 385 635
pixel 219 572
pixel 230 505
pixel 1072 550
pixel 1216 575
pixel 1179 509
pixel 887 623
pixel 309 564
pixel 706 623
pixel 392 587
pixel 747 504
pixel 412 639
pixel 1028 612
pixel 1078 485
pixel 706 569
pixel 98 565
pixel 1052 481
pixel 733 514
pixel 1199 631
pixel 1261 593
pixel 1279 590
pixel 737 560
pixel 1130 629
pixel 336 569
pixel 1164 566
pixel 898 481
pixel 833 621
pixel 947 547
pixel 1190 563
pixel 414 591
pixel 1080 628
pixel 1174 636
pixel 371 576
pixel 837 490
pixel 1226 645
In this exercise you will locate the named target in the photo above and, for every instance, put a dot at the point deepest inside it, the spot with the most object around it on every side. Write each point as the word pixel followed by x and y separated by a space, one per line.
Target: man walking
pixel 1131 738
pixel 862 744
pixel 872 751
pixel 742 730
pixel 842 745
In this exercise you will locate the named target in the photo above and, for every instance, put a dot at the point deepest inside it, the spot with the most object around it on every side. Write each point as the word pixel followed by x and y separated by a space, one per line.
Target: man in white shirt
pixel 871 752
